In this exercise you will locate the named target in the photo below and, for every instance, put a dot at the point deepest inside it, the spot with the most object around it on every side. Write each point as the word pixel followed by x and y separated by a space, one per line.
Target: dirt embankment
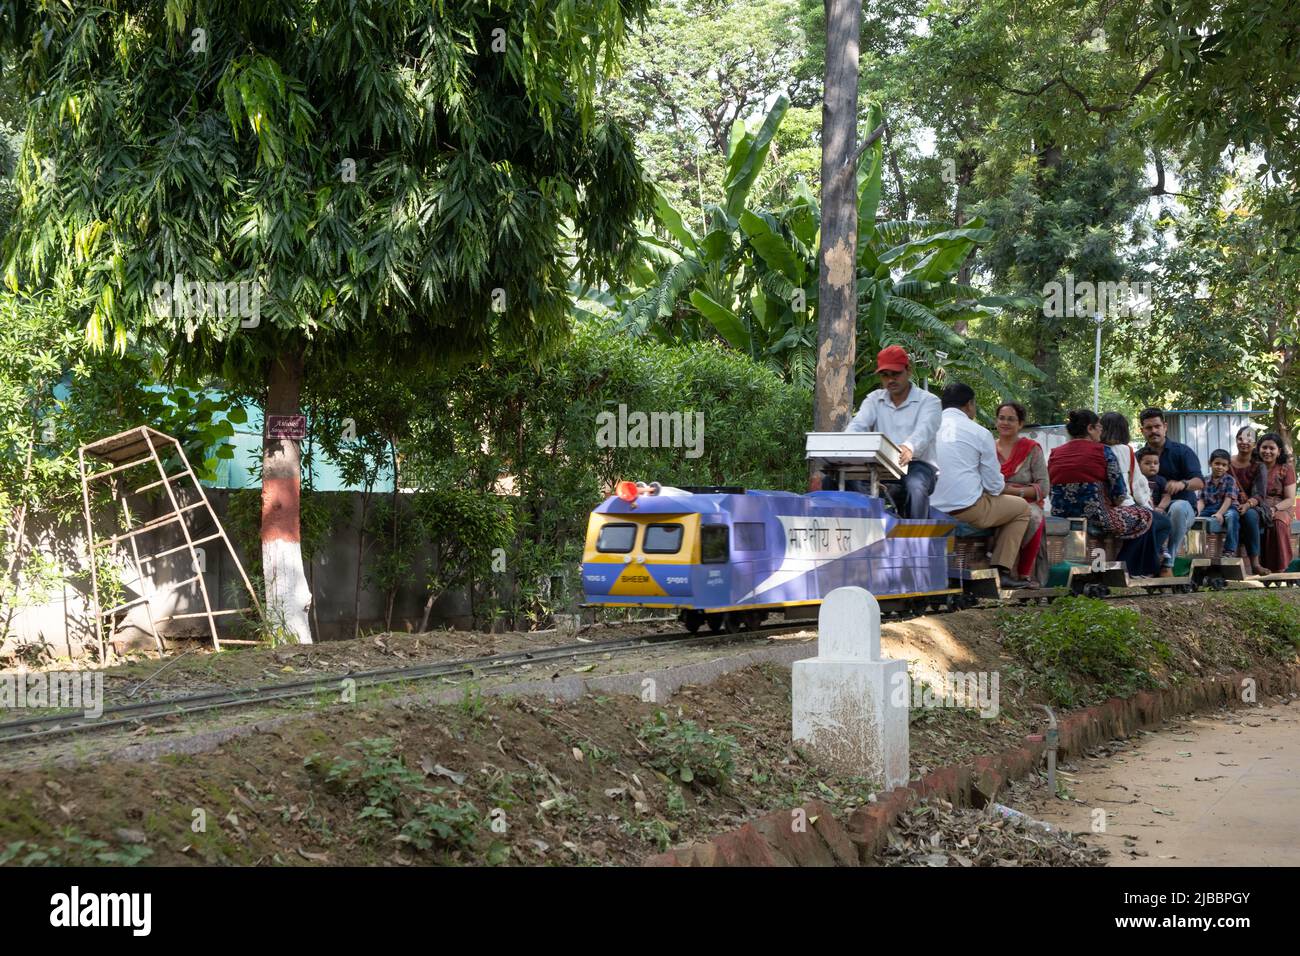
pixel 601 780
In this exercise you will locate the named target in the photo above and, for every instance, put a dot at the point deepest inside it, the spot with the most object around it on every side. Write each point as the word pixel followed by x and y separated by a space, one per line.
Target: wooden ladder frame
pixel 123 452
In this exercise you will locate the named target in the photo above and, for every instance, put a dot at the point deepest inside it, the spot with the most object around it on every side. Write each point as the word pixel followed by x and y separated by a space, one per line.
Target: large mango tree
pixel 393 179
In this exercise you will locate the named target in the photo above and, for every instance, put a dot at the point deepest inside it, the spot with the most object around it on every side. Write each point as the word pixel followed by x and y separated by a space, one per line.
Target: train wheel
pixel 692 620
pixel 716 622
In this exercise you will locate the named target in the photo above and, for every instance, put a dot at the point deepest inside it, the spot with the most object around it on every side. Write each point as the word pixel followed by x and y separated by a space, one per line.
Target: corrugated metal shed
pixel 1205 429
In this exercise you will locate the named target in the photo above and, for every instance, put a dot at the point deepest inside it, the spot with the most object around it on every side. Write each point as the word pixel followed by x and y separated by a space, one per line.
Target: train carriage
pixel 727 556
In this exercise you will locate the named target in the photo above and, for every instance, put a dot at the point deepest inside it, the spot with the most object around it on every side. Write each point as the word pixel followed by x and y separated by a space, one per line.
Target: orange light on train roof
pixel 626 490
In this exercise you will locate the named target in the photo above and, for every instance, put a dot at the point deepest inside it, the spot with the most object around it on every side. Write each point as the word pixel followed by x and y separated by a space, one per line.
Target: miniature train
pixel 727 556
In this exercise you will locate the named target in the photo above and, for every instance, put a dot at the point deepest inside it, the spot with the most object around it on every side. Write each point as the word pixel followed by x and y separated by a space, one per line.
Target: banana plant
pixel 751 279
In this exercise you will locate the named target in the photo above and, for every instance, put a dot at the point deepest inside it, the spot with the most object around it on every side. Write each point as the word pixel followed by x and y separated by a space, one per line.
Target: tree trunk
pixel 392 588
pixel 361 559
pixel 1281 407
pixel 287 594
pixel 837 287
pixel 311 486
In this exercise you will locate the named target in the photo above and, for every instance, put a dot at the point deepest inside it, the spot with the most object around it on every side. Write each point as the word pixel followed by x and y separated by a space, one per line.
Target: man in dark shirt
pixel 1181 470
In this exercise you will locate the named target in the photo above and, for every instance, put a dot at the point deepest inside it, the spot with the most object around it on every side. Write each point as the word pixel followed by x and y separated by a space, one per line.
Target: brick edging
pixel 811 835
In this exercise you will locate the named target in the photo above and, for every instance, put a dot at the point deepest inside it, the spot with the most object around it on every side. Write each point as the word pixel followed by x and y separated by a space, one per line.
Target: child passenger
pixel 1149 463
pixel 1219 501
pixel 1148 460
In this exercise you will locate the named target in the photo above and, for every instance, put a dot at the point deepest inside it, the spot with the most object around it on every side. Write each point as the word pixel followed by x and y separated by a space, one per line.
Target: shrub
pixel 1083 648
pixel 398 798
pixel 682 750
pixel 532 420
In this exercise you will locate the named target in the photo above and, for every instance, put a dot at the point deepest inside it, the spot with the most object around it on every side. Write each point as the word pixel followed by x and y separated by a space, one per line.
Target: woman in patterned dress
pixel 1087 482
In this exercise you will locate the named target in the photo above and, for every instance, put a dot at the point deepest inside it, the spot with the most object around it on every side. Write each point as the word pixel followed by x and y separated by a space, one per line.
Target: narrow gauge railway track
pixel 50 725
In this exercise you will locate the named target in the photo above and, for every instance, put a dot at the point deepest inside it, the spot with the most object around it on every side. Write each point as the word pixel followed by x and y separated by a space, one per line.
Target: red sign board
pixel 292 427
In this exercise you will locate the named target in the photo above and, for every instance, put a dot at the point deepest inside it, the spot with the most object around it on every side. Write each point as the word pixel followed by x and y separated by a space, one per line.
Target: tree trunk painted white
pixel 288 595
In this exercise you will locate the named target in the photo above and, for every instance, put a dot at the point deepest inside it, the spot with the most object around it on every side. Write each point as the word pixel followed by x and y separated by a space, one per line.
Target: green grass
pixel 1265 616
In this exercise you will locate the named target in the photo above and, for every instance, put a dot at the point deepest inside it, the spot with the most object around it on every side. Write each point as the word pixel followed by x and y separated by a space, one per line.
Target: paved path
pixel 1214 790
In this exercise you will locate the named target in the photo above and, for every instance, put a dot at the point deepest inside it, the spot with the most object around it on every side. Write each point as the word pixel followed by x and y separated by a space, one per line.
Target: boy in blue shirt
pixel 1219 500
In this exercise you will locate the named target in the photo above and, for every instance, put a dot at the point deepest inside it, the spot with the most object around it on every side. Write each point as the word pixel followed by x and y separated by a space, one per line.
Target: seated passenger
pixel 908 416
pixel 1024 466
pixel 1086 483
pixel 1219 500
pixel 1143 556
pixel 1182 471
pixel 1279 502
pixel 1249 473
pixel 970 482
pixel 1148 460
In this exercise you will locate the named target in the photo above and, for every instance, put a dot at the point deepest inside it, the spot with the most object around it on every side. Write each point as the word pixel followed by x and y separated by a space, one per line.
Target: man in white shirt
pixel 908 416
pixel 970 482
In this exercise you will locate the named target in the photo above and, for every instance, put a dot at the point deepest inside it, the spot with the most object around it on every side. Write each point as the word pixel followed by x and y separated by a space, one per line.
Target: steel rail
pixel 140 711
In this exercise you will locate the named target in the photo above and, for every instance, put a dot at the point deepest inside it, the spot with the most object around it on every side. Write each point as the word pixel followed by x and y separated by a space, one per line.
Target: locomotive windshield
pixel 616 538
pixel 662 539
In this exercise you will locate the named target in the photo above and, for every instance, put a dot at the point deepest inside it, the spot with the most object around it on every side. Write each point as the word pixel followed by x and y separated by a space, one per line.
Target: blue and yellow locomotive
pixel 728 556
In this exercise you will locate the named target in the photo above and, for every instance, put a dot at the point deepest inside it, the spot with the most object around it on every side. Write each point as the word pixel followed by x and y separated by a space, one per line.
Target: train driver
pixel 908 416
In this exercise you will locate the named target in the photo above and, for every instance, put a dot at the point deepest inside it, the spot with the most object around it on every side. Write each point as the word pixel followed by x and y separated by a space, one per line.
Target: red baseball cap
pixel 893 358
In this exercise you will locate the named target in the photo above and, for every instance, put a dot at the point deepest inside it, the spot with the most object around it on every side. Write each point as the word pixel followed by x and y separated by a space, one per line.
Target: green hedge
pixel 533 424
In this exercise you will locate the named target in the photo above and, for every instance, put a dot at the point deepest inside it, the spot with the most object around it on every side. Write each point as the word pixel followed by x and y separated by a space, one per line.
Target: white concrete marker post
pixel 844 712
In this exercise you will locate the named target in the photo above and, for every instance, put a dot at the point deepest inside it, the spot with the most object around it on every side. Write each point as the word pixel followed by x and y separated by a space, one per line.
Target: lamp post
pixel 1096 367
